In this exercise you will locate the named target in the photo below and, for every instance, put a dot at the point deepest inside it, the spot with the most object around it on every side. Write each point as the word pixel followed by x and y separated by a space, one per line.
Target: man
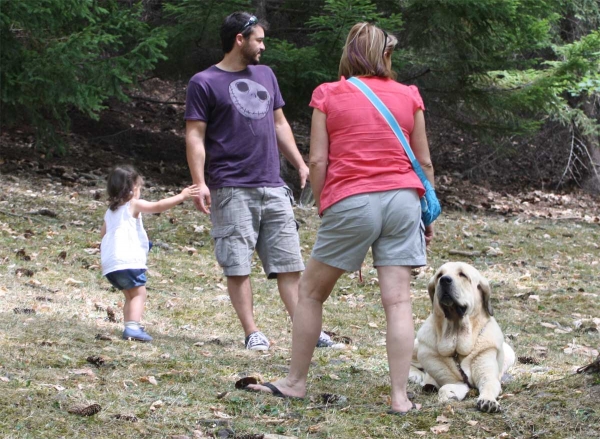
pixel 234 129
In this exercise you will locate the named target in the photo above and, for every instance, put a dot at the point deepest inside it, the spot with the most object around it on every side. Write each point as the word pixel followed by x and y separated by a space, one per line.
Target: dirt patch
pixel 149 132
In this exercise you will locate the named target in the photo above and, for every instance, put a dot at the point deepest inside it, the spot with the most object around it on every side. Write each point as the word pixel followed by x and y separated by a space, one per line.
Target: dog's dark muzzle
pixel 447 299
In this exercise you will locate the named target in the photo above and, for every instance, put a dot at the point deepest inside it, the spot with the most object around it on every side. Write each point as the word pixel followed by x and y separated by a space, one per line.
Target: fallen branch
pixel 464 253
pixel 156 101
pixel 20 216
pixel 44 212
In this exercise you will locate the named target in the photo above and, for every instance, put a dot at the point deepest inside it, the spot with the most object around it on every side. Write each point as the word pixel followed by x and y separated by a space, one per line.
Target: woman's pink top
pixel 364 153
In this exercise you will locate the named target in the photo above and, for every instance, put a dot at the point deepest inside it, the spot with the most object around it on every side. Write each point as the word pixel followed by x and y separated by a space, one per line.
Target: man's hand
pixel 202 200
pixel 429 234
pixel 303 174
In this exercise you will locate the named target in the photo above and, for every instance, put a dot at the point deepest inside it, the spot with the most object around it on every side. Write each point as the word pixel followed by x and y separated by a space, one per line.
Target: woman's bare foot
pixel 284 389
pixel 403 409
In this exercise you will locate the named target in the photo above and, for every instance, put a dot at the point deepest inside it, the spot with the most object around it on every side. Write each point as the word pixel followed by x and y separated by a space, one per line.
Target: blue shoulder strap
pixel 390 119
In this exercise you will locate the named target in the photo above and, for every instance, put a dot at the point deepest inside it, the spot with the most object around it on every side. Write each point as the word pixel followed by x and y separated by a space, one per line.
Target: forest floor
pixel 60 347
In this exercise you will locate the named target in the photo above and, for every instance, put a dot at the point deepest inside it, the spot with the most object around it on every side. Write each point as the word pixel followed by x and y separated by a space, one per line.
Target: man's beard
pixel 250 57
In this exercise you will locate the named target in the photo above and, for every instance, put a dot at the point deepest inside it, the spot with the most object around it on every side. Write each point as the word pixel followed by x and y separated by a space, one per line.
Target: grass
pixel 546 288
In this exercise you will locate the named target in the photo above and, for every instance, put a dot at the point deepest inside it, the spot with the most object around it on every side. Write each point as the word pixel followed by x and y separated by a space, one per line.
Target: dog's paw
pixel 488 405
pixel 455 392
pixel 416 376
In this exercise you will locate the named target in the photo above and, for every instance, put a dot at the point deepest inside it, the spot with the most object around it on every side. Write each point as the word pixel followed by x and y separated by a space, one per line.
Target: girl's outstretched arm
pixel 143 206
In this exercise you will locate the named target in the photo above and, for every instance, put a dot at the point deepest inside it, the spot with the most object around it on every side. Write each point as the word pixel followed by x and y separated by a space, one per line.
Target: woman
pixel 368 196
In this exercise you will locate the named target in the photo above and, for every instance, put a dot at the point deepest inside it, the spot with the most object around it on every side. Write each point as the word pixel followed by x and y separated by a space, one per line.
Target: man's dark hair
pixel 238 23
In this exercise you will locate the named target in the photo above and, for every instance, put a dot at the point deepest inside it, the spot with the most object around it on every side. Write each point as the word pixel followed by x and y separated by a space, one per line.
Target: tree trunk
pixel 261 8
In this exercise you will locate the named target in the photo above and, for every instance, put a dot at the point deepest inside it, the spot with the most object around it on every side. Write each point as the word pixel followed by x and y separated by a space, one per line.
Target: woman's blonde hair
pixel 364 50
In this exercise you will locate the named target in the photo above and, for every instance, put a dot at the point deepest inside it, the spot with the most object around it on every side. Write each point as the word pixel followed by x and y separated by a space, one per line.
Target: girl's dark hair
pixel 119 185
pixel 239 23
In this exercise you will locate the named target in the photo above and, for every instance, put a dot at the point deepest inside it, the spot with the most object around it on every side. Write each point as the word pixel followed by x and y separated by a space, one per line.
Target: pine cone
pixel 128 418
pixel 98 360
pixel 593 367
pixel 85 409
pixel 110 313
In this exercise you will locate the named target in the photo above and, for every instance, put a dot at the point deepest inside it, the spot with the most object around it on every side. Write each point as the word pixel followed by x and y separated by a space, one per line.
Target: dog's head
pixel 459 289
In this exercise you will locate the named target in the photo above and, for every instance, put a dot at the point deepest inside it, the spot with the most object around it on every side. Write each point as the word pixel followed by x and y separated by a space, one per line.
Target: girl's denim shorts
pixel 127 279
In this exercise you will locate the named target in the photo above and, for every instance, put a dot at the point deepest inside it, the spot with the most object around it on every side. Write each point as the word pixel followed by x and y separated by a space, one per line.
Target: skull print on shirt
pixel 250 98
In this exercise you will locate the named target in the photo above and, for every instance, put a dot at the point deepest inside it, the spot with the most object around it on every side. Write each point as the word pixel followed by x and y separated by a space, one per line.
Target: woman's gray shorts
pixel 389 222
pixel 261 219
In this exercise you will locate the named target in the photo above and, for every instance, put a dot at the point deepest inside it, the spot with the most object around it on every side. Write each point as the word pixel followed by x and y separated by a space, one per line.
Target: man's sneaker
pixel 136 334
pixel 257 342
pixel 325 341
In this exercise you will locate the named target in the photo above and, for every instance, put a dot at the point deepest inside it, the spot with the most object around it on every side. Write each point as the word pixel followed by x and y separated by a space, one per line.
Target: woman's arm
pixel 420 146
pixel 103 230
pixel 319 152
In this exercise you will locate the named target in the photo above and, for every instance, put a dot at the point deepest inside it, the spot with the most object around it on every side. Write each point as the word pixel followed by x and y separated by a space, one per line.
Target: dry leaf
pixel 278 436
pixel 334 376
pixel 190 250
pixel 156 405
pixel 547 325
pixel 149 379
pixel 563 330
pixel 420 433
pixel 87 371
pixel 472 423
pixel 71 281
pixel 534 297
pixel 373 325
pixel 438 429
pixel 221 415
pixel 5 379
pixel 442 419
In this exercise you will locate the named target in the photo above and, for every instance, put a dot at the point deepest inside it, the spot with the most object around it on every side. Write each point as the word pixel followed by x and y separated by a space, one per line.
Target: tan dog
pixel 460 345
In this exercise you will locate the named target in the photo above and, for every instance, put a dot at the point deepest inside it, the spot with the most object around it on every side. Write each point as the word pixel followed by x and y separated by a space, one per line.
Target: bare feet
pixel 284 390
pixel 403 407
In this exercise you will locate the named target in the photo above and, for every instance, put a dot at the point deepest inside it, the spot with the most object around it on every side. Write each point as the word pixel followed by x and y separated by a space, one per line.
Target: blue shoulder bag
pixel 430 205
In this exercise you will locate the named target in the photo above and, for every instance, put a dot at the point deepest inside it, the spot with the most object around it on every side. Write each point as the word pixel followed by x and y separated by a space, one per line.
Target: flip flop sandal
pixel 397 413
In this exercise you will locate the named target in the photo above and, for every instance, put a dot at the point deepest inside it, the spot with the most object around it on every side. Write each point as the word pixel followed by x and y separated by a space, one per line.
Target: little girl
pixel 125 243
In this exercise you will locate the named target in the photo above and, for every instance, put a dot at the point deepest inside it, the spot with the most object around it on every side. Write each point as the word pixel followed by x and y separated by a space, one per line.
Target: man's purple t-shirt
pixel 240 142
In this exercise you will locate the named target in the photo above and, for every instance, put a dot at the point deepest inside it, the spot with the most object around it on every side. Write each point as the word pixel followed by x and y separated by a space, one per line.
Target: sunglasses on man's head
pixel 251 22
pixel 385 37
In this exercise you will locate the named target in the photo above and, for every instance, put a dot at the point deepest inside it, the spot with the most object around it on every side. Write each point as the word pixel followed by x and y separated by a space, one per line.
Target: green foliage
pixel 503 66
pixel 196 24
pixel 300 69
pixel 63 54
pixel 551 91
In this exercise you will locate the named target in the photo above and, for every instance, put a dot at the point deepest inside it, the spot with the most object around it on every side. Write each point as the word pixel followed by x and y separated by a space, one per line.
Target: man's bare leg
pixel 240 293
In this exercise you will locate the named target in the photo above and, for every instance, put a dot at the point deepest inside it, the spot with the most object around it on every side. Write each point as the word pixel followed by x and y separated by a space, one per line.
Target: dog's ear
pixel 431 286
pixel 486 291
